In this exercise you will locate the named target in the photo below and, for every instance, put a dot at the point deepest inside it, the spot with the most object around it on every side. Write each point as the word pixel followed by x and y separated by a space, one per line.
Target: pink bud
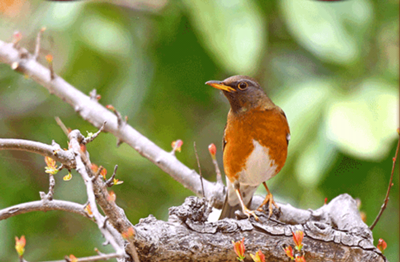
pixel 176 145
pixel 212 149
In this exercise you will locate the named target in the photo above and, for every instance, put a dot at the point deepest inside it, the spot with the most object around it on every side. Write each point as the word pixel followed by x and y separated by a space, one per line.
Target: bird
pixel 255 143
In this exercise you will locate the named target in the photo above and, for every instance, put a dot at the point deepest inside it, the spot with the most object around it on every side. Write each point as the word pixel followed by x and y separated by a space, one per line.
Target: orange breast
pixel 267 127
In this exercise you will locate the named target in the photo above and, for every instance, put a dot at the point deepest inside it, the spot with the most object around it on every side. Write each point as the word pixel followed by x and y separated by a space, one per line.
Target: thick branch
pixel 188 237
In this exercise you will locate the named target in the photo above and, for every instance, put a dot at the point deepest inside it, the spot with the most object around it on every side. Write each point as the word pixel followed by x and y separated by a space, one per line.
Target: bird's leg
pixel 246 211
pixel 268 199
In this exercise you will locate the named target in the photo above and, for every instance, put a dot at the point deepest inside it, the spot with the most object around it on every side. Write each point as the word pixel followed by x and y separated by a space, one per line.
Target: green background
pixel 331 66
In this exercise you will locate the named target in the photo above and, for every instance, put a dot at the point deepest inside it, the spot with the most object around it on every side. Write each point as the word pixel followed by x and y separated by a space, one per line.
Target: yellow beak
pixel 220 85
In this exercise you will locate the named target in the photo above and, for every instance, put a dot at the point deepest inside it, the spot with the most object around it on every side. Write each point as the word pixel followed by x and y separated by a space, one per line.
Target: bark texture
pixel 334 232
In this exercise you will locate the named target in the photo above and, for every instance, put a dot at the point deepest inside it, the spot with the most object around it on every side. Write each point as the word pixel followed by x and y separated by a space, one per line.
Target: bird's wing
pixel 223 140
pixel 284 115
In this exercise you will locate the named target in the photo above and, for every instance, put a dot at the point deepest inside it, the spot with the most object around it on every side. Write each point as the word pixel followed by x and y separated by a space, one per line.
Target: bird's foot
pixel 249 213
pixel 270 200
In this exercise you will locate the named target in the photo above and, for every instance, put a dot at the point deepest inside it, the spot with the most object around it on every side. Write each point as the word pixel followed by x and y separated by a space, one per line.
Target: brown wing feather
pixel 288 133
pixel 223 140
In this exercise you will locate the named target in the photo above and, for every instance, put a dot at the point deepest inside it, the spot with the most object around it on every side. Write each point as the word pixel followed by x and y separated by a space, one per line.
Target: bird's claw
pixel 270 200
pixel 249 213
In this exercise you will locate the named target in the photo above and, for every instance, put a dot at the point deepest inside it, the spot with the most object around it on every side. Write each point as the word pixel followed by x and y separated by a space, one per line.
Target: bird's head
pixel 243 92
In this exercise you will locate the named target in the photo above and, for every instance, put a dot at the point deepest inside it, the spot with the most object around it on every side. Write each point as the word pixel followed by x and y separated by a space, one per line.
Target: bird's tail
pixel 229 211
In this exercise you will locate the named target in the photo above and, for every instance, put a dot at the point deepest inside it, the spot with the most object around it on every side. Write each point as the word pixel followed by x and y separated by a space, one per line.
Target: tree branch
pixel 334 232
pixel 44 206
pixel 385 202
pixel 54 151
pixel 81 169
pixel 187 236
pixel 96 114
pixel 116 215
pixel 92 258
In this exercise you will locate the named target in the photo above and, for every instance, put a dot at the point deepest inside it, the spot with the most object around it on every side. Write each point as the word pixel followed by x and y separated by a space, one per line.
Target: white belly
pixel 259 168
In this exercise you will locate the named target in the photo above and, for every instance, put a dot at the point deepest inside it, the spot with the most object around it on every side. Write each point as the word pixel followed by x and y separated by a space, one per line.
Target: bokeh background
pixel 332 66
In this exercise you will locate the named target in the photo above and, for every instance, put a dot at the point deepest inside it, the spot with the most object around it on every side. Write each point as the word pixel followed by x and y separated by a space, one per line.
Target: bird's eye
pixel 242 85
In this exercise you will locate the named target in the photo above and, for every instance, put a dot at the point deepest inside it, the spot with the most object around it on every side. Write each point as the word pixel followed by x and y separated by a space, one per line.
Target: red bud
pixel 110 107
pixel 382 245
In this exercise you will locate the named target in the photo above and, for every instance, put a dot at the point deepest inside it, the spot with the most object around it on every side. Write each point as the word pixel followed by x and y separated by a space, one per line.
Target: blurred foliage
pixel 332 66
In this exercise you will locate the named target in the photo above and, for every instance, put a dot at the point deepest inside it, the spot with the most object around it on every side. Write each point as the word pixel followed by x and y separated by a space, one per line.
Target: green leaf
pixel 332 31
pixel 303 105
pixel 364 123
pixel 60 16
pixel 233 31
pixel 106 36
pixel 315 160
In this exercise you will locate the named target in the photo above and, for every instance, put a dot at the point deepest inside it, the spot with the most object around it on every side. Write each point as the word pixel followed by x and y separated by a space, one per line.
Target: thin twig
pixel 110 181
pixel 51 68
pixel 81 160
pixel 52 183
pixel 198 164
pixel 217 171
pixel 117 114
pixel 383 207
pixel 105 221
pixel 37 47
pixel 98 251
pixel 97 173
pixel 92 258
pixel 61 124
pixel 92 137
